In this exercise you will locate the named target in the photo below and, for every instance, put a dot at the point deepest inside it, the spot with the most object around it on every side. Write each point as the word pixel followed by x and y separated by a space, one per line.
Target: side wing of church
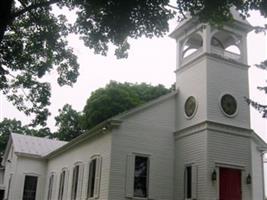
pixel 192 144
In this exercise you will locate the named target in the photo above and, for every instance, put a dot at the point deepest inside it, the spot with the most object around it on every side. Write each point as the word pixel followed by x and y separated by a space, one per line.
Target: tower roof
pixel 191 22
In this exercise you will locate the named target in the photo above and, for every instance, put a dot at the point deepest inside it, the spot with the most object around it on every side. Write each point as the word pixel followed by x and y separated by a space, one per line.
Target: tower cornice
pixel 212 56
pixel 213 126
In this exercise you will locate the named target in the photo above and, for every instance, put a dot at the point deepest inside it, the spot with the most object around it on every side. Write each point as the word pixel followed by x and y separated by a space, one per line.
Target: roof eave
pixel 28 155
pixel 6 150
pixel 101 128
pixel 121 116
pixel 107 125
pixel 262 145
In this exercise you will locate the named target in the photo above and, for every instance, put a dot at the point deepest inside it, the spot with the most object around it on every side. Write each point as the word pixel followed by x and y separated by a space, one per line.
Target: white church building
pixel 192 144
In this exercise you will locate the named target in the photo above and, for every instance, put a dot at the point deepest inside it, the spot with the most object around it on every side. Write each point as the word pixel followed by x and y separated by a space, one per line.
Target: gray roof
pixel 34 146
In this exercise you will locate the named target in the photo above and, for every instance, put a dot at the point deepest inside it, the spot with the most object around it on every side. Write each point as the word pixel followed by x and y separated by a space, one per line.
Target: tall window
pixel 94 177
pixel 188 182
pixel 50 187
pixel 75 177
pixel 141 176
pixel 61 185
pixel 91 179
pixel 30 185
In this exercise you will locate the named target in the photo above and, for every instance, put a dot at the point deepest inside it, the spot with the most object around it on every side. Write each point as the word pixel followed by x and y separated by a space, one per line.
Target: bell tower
pixel 215 149
pixel 212 72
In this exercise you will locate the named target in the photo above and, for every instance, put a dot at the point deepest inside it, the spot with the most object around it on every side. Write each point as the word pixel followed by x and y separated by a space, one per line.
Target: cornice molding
pixel 213 126
pixel 211 56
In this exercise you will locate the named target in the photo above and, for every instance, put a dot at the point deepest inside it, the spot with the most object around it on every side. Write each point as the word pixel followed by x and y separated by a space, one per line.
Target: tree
pixel 262 108
pixel 8 126
pixel 68 123
pixel 116 98
pixel 33 39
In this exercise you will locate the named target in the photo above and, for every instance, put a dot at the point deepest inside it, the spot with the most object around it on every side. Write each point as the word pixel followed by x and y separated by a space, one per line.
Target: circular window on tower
pixel 190 107
pixel 228 105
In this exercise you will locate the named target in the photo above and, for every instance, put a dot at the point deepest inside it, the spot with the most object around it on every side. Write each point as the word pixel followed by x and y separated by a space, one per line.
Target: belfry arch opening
pixel 192 45
pixel 226 45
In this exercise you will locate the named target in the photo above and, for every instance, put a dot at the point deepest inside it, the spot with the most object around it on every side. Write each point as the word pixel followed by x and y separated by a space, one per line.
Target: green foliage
pixel 8 126
pixel 33 39
pixel 68 123
pixel 33 44
pixel 116 98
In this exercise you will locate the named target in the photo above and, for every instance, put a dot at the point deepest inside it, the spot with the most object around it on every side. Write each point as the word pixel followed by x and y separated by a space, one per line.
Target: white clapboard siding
pixel 148 132
pixel 95 146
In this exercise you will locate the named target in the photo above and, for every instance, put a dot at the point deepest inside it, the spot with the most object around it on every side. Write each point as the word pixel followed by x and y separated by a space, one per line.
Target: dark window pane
pixel 61 185
pixel 91 180
pixel 50 187
pixel 75 182
pixel 29 190
pixel 141 176
pixel 188 182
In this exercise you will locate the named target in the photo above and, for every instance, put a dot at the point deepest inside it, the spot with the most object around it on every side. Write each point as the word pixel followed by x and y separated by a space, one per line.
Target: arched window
pixel 77 176
pixel 226 44
pixel 50 186
pixel 193 44
pixel 62 181
pixel 93 186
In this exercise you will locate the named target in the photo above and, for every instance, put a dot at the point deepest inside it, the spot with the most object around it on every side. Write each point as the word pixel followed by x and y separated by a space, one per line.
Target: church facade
pixel 192 144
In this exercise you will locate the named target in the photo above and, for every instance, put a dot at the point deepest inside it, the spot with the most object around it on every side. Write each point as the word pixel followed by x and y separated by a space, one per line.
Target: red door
pixel 230 184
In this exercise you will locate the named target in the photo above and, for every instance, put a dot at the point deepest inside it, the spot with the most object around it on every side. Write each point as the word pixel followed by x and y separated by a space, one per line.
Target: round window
pixel 190 106
pixel 228 104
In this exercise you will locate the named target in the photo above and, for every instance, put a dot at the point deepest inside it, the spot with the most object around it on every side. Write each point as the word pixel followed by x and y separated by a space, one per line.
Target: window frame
pixel 36 186
pixel 188 183
pixel 75 177
pixel 62 181
pixel 51 181
pixel 94 194
pixel 193 182
pixel 76 193
pixel 147 175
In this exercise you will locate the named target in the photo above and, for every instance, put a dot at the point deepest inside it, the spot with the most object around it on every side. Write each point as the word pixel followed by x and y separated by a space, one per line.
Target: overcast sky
pixel 151 61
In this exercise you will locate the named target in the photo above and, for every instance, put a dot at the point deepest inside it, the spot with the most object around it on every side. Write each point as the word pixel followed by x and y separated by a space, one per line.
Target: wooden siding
pixel 191 81
pixel 225 77
pixel 33 167
pixel 257 172
pixel 228 150
pixel 148 132
pixel 191 150
pixel 82 153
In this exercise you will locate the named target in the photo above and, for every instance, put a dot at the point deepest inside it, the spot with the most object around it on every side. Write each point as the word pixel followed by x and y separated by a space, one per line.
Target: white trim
pixel 33 175
pixel 239 166
pixel 195 110
pixel 97 176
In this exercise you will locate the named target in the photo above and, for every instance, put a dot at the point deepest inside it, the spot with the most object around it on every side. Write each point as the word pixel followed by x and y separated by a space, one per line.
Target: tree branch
pixel 33 6
pixel 174 7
